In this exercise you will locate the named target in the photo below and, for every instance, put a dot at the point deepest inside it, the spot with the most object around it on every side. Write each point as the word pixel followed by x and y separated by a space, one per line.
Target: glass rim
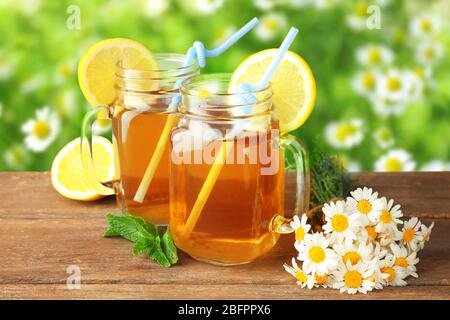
pixel 161 73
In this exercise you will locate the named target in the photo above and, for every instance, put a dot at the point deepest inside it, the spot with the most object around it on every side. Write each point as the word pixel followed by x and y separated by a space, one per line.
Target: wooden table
pixel 41 234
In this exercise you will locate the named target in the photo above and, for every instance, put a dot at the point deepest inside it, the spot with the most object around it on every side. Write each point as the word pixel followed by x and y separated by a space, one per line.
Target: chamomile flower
pixel 270 26
pixel 264 5
pixel 425 233
pixel 394 86
pixel 410 235
pixel 374 55
pixel 365 82
pixel 324 281
pixel 395 274
pixel 378 278
pixel 324 4
pixel 416 86
pixel 353 278
pixel 298 3
pixel 395 160
pixel 155 8
pixel 390 216
pixel 303 279
pixel 424 25
pixel 16 157
pixel 365 202
pixel 205 7
pixel 353 252
pixel 357 21
pixel 66 103
pixel 301 227
pixel 383 137
pixel 404 260
pixel 345 134
pixel 435 165
pixel 386 107
pixel 315 254
pixel 42 131
pixel 388 237
pixel 429 53
pixel 369 234
pixel 339 224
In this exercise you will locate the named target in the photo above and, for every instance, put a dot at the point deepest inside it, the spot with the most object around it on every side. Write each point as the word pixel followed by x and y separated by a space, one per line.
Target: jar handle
pixel 86 151
pixel 280 224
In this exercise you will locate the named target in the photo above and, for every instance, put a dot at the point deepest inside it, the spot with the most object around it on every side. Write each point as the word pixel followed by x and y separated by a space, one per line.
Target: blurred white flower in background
pixel 385 107
pixel 64 71
pixel 344 134
pixel 41 131
pixel 357 20
pixel 155 8
pixel 425 74
pixel 66 103
pixel 298 3
pixel 395 85
pixel 435 165
pixel 429 53
pixel 425 25
pixel 324 4
pixel 365 82
pixel 382 3
pixel 395 160
pixel 205 6
pixel 223 34
pixel 270 26
pixel 25 7
pixel 266 5
pixel 7 65
pixel 383 137
pixel 374 55
pixel 33 83
pixel 16 157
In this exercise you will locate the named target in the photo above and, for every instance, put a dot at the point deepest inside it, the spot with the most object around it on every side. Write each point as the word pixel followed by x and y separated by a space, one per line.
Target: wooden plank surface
pixel 41 234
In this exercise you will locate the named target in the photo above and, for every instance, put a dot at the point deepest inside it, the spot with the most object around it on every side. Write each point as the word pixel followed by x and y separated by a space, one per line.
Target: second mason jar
pixel 227 176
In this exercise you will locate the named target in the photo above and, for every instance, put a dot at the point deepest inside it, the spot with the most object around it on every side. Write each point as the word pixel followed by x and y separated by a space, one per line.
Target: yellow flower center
pixel 429 53
pixel 361 9
pixel 339 222
pixel 401 262
pixel 299 234
pixel 351 256
pixel 364 206
pixel 317 254
pixel 409 234
pixel 300 276
pixel 41 129
pixel 353 279
pixel 393 84
pixel 420 73
pixel 374 55
pixel 426 237
pixel 386 216
pixel 393 164
pixel 371 232
pixel 385 135
pixel 320 279
pixel 399 36
pixel 368 80
pixel 390 271
pixel 345 130
pixel 271 24
pixel 425 25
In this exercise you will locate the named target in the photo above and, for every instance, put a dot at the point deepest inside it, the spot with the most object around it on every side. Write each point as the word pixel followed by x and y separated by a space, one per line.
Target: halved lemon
pixel 97 68
pixel 67 174
pixel 293 85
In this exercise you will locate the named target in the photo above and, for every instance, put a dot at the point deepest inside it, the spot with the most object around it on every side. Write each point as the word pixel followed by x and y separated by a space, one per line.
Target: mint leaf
pixel 111 233
pixel 142 245
pixel 129 227
pixel 168 247
pixel 156 253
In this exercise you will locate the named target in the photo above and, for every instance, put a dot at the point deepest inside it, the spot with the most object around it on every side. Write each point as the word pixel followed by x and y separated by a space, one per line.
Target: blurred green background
pixel 383 98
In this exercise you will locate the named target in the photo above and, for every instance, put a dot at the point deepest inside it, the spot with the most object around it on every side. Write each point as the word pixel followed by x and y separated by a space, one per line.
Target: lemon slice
pixel 67 175
pixel 293 85
pixel 96 71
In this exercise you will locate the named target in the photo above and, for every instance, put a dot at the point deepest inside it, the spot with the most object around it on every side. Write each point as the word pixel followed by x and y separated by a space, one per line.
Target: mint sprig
pixel 156 242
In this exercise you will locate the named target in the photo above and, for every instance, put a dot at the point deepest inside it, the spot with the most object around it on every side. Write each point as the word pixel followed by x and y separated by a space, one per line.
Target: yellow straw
pixel 207 187
pixel 156 158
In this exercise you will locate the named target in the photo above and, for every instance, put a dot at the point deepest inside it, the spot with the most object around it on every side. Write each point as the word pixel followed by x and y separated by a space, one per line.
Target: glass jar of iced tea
pixel 142 115
pixel 227 175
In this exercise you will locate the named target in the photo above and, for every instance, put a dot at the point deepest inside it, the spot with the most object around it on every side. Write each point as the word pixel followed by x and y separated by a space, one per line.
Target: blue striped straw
pixel 200 53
